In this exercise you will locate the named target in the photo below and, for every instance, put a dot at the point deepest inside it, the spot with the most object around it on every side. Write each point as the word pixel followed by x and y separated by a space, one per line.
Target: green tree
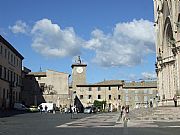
pixel 99 104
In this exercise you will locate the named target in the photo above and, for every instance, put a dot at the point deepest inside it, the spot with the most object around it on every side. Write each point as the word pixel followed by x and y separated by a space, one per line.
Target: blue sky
pixel 115 38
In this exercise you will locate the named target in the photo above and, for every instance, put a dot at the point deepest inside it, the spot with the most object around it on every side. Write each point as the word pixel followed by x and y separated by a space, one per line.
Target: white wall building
pixel 167 28
pixel 10 74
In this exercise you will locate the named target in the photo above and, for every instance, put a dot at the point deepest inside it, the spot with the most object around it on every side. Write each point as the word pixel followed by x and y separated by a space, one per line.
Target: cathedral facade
pixel 167 30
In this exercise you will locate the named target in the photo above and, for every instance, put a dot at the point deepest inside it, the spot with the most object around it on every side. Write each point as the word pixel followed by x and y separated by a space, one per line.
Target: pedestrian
pixel 175 100
pixel 151 102
pixel 127 109
pixel 123 113
pixel 46 108
pixel 41 108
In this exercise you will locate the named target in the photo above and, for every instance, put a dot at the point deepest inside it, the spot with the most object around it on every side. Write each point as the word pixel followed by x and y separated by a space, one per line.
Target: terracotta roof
pixel 38 74
pixel 79 65
pixel 141 84
pixel 110 82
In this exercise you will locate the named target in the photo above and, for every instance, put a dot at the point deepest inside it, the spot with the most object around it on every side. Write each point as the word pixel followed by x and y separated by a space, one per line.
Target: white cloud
pixel 147 75
pixel 126 46
pixel 19 27
pixel 50 40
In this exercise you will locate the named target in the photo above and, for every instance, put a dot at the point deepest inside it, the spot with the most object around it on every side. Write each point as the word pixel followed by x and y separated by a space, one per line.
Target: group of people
pixel 41 108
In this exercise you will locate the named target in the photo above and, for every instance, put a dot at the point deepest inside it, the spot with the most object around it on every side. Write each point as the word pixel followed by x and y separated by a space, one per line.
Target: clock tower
pixel 78 73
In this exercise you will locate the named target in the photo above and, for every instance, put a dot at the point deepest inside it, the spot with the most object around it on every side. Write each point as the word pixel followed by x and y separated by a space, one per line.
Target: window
pixel 11 58
pixel 119 96
pixel 1 49
pixel 17 98
pixel 14 76
pixel 109 88
pixel 39 78
pixel 14 60
pixel 136 91
pixel 8 75
pixel 109 97
pixel 99 96
pixel 8 55
pixel 150 91
pixel 145 91
pixel 90 89
pixel 4 92
pixel 99 88
pixel 11 76
pixel 127 98
pixel 5 74
pixel 145 98
pixel 5 53
pixel 81 96
pixel 136 98
pixel 17 62
pixel 7 94
pixel 90 96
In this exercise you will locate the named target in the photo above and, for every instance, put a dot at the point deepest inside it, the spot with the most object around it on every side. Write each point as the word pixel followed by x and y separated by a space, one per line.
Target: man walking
pixel 175 100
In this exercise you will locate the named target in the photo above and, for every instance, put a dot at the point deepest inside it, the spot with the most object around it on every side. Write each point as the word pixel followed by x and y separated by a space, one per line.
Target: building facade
pixel 10 74
pixel 167 28
pixel 53 86
pixel 115 93
pixel 31 92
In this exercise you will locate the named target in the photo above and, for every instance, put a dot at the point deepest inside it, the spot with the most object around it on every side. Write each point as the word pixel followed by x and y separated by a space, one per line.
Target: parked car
pixel 20 107
pixel 33 108
pixel 90 109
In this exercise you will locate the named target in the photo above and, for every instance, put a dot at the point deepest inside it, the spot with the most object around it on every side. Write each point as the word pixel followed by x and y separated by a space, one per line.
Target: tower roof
pixel 78 65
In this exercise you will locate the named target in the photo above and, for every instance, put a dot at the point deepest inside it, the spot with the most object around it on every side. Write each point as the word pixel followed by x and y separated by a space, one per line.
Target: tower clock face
pixel 79 69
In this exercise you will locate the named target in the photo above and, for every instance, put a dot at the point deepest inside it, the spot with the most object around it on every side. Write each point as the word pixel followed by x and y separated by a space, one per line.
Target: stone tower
pixel 167 28
pixel 78 73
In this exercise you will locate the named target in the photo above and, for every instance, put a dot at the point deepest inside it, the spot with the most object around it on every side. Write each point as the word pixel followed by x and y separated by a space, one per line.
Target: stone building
pixel 139 94
pixel 31 92
pixel 116 93
pixel 10 74
pixel 109 91
pixel 167 28
pixel 53 86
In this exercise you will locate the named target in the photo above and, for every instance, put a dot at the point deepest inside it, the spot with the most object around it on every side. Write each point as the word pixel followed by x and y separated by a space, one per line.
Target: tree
pixel 99 104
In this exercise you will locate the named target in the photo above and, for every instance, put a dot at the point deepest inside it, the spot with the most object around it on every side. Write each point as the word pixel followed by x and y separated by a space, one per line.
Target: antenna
pixel 79 60
pixel 40 70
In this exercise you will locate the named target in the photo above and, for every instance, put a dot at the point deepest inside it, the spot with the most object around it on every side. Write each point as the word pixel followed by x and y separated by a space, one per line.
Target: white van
pixel 19 106
pixel 50 106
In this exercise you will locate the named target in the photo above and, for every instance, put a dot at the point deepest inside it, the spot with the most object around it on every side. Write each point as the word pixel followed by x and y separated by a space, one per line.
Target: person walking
pixel 46 108
pixel 41 108
pixel 175 100
pixel 123 113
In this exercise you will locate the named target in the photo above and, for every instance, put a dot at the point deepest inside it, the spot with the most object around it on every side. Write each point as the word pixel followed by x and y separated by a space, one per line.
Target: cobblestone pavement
pixel 153 117
pixel 99 120
pixel 156 114
pixel 143 117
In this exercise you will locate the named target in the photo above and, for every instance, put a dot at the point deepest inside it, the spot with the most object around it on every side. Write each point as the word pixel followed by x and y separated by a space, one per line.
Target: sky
pixel 115 38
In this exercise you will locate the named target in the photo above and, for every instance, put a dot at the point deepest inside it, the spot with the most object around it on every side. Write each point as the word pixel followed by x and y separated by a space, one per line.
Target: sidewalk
pixel 147 117
pixel 155 114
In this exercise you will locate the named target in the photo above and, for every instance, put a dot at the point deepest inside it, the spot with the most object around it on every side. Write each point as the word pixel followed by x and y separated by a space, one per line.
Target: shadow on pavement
pixel 9 113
